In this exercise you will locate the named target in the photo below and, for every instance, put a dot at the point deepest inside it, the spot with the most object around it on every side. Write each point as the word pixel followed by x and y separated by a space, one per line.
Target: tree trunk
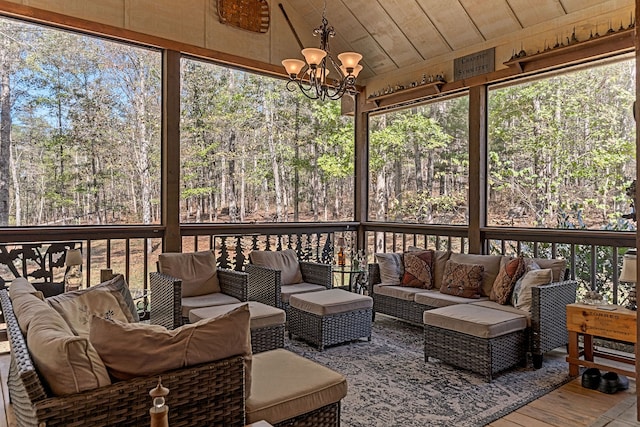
pixel 5 133
pixel 270 127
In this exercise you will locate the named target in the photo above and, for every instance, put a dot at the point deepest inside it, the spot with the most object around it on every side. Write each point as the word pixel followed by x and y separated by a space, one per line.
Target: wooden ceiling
pixel 393 34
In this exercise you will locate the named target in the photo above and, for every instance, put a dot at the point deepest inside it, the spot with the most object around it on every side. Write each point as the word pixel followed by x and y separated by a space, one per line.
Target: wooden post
pixel 477 167
pixel 172 241
pixel 361 168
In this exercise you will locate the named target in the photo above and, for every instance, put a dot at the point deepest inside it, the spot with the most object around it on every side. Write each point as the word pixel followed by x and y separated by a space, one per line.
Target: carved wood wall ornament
pixel 251 15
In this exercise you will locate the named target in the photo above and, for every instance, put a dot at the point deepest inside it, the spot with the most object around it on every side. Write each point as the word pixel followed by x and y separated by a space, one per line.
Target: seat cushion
pixel 475 320
pixel 285 261
pixel 299 288
pixel 285 385
pixel 331 301
pixel 189 303
pixel 132 350
pixel 197 270
pixel 110 300
pixel 401 292
pixel 437 299
pixel 505 307
pixel 262 315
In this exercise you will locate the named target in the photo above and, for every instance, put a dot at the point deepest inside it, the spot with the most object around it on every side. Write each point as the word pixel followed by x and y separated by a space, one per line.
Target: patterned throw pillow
pixel 418 267
pixel 462 280
pixel 506 280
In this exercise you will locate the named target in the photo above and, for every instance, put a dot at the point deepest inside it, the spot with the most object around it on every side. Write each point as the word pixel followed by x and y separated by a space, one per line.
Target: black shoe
pixel 609 383
pixel 591 378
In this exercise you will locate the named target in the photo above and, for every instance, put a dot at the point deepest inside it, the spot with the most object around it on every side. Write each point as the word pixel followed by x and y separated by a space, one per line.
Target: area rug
pixel 391 385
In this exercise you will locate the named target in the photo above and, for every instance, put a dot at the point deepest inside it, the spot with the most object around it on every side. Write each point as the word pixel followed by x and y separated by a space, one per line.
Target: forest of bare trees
pixel 80 144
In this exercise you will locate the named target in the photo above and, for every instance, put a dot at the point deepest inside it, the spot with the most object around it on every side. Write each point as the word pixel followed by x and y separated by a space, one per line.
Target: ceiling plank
pixel 532 12
pixel 453 23
pixel 492 22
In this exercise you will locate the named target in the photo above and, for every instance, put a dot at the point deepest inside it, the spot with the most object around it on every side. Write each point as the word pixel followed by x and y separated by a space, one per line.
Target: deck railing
pixel 594 257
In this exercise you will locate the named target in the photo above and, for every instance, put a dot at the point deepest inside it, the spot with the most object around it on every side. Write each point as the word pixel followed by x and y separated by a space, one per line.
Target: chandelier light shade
pixel 311 75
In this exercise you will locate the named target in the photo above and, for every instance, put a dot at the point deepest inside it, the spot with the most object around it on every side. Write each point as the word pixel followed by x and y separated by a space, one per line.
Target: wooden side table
pixel 606 321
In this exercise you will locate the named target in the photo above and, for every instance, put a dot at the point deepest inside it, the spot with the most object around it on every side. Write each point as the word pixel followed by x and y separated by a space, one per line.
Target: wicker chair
pixel 166 295
pixel 265 283
pixel 207 394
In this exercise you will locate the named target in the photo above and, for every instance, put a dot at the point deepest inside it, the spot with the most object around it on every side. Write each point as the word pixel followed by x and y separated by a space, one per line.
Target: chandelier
pixel 311 77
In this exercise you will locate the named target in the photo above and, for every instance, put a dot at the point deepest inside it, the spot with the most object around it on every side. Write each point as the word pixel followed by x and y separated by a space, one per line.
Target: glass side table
pixel 351 278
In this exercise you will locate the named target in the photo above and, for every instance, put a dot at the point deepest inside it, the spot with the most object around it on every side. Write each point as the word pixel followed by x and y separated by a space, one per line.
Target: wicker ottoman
pixel 330 317
pixel 267 323
pixel 480 339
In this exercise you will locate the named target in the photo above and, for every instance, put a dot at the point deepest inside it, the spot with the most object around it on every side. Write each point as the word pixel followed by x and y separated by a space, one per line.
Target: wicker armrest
pixel 234 283
pixel 165 300
pixel 316 273
pixel 549 316
pixel 264 285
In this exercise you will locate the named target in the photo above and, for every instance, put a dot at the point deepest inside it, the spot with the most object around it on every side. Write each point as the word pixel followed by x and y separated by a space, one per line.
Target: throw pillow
pixel 391 268
pixel 462 280
pixel 506 280
pixel 132 350
pixel 285 261
pixel 69 364
pixel 103 300
pixel 197 270
pixel 418 266
pixel 521 298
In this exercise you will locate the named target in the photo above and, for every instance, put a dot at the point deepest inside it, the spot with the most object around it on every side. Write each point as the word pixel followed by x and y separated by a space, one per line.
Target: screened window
pixel 419 164
pixel 562 150
pixel 253 152
pixel 80 124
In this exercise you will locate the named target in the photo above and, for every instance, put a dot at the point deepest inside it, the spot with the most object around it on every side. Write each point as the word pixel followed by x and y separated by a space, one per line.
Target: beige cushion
pixel 391 268
pixel 69 364
pixel 299 288
pixel 491 264
pixel 557 266
pixel 508 308
pixel 132 350
pixel 439 264
pixel 463 280
pixel 104 300
pixel 475 320
pixel 401 292
pixel 197 270
pixel 23 307
pixel 218 298
pixel 522 292
pixel 285 261
pixel 262 315
pixel 436 299
pixel 285 385
pixel 331 301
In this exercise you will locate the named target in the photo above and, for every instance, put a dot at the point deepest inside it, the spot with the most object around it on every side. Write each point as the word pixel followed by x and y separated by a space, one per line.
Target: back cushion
pixel 285 261
pixel 391 268
pixel 491 264
pixel 197 270
pixel 557 266
pixel 110 299
pixel 439 263
pixel 136 349
pixel 68 364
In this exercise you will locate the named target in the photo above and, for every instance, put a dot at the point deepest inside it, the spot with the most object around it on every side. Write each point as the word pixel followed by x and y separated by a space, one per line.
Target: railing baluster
pixel 88 263
pixel 614 261
pixel 127 259
pixel 592 267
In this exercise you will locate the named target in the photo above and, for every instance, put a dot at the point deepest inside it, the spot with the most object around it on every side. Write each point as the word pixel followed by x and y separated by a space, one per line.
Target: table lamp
pixel 629 275
pixel 73 275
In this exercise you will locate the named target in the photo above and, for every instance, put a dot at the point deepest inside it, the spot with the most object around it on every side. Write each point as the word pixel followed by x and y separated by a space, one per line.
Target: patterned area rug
pixel 391 385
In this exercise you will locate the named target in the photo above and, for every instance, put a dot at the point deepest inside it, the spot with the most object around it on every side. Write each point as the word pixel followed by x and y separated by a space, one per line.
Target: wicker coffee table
pixel 330 317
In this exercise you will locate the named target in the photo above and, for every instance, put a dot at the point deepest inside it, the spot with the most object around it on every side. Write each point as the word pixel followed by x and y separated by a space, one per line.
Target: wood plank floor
pixel 568 406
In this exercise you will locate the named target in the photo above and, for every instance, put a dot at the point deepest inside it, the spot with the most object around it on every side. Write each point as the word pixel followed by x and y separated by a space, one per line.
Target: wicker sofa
pixel 285 389
pixel 547 318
